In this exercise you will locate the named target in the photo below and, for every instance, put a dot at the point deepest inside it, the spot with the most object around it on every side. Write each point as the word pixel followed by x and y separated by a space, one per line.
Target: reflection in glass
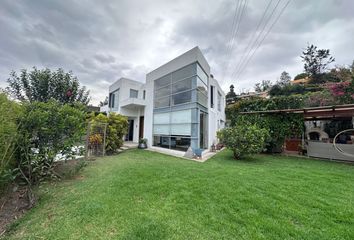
pixel 184 97
pixel 162 102
pixel 183 85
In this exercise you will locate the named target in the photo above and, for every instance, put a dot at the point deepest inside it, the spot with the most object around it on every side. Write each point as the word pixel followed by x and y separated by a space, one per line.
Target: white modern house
pixel 179 106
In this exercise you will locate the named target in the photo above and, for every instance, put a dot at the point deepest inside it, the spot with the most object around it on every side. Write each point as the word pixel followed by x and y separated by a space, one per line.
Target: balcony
pixel 133 103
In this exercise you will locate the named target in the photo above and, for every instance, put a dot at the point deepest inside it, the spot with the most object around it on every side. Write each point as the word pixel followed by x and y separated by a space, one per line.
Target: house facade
pixel 179 106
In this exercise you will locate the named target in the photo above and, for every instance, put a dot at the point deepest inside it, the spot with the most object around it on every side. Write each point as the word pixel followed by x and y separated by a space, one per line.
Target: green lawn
pixel 144 195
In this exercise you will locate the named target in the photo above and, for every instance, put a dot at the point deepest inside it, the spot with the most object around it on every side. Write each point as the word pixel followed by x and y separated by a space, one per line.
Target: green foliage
pixel 148 195
pixel 117 127
pixel 243 139
pixel 284 79
pixel 286 90
pixel 279 126
pixel 301 76
pixel 231 95
pixel 342 92
pixel 316 61
pixel 340 74
pixel 319 99
pixel 47 129
pixel 43 85
pixel 263 86
pixel 9 112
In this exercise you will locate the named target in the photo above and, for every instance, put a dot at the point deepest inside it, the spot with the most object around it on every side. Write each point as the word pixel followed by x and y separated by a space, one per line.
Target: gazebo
pixel 317 142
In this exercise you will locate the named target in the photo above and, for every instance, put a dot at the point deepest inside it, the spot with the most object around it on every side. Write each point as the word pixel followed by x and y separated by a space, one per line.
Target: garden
pixel 44 122
pixel 140 194
pixel 48 190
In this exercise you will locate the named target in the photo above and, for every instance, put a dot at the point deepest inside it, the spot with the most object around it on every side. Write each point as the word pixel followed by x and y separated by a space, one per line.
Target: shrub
pixel 9 112
pixel 243 139
pixel 301 76
pixel 47 129
pixel 279 125
pixel 343 92
pixel 117 127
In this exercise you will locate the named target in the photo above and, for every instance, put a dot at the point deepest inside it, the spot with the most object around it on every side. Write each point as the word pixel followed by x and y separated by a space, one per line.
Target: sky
pixel 101 41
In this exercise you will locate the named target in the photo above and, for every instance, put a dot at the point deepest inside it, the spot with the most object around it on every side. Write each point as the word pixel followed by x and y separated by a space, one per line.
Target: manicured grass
pixel 144 195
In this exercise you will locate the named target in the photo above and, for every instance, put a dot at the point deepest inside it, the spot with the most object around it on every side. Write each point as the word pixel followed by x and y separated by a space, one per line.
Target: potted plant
pixel 142 143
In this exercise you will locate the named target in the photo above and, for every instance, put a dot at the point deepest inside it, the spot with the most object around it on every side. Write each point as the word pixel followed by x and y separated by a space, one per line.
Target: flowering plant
pixel 342 91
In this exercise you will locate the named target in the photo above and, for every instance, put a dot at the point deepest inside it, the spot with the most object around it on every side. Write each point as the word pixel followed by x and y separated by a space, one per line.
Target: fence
pixel 95 139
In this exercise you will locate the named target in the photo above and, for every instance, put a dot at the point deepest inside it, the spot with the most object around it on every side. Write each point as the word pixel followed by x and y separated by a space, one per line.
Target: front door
pixel 129 136
pixel 141 127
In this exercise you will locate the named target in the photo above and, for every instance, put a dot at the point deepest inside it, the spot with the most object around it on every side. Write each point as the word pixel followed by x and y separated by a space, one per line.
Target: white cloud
pixel 101 41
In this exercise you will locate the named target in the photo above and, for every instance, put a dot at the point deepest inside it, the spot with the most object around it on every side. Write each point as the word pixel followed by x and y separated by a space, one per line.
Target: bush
pixel 9 112
pixel 117 127
pixel 301 76
pixel 279 125
pixel 243 139
pixel 47 129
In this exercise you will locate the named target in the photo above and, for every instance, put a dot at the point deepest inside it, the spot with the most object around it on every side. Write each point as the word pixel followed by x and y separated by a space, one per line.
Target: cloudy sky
pixel 101 41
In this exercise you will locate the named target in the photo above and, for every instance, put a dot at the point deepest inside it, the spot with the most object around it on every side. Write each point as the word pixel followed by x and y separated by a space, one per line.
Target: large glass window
pixel 114 100
pixel 162 102
pixel 202 74
pixel 180 129
pixel 183 116
pixel 183 85
pixel 180 143
pixel 184 97
pixel 202 87
pixel 166 80
pixel 162 141
pixel 164 91
pixel 202 99
pixel 185 72
pixel 133 93
pixel 162 118
pixel 162 129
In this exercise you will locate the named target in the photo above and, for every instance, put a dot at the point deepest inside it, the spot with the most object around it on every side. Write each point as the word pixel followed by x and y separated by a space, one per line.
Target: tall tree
pixel 104 103
pixel 231 95
pixel 43 85
pixel 265 85
pixel 284 79
pixel 316 61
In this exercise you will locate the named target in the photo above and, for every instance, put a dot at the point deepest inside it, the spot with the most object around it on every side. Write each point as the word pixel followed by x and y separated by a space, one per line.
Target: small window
pixel 211 96
pixel 219 101
pixel 133 93
pixel 111 100
pixel 144 94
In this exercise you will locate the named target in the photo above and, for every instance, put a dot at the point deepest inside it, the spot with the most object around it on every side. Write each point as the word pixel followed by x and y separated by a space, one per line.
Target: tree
pixel 104 103
pixel 117 127
pixel 284 79
pixel 231 95
pixel 343 92
pixel 47 129
pixel 265 85
pixel 9 112
pixel 340 74
pixel 244 139
pixel 43 85
pixel 300 76
pixel 316 61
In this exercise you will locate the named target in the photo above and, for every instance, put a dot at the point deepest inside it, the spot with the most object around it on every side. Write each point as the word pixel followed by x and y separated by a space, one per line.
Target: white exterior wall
pixel 148 118
pixel 134 112
pixel 215 116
